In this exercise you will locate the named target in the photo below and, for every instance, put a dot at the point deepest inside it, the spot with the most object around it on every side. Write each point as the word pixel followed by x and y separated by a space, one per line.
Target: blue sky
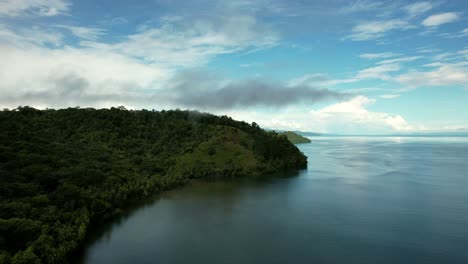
pixel 360 67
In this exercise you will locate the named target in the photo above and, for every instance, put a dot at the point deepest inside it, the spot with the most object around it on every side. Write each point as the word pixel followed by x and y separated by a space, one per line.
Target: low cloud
pixel 71 90
pixel 192 89
pixel 348 117
pixel 41 77
pixel 353 116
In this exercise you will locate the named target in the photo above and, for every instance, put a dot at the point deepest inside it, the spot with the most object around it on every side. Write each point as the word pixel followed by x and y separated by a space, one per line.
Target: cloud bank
pixel 127 71
pixel 197 89
pixel 349 117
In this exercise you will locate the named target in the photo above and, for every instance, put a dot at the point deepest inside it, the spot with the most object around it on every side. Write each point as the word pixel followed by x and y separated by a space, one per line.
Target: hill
pixel 62 171
pixel 295 138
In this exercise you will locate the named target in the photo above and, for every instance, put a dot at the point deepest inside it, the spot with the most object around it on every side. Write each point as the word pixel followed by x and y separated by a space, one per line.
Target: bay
pixel 361 200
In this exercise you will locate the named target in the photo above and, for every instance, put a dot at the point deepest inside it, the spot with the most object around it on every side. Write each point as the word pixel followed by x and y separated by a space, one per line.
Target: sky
pixel 336 66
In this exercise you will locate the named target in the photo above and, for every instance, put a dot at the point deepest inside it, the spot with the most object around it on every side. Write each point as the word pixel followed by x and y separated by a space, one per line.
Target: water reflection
pixel 361 200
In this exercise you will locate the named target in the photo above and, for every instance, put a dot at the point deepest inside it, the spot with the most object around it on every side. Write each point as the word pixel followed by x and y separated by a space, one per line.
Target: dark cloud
pixel 198 90
pixel 66 91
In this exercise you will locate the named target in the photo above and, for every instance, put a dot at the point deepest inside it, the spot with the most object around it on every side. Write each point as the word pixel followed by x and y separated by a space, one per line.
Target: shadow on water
pixel 206 187
pixel 360 201
pixel 104 229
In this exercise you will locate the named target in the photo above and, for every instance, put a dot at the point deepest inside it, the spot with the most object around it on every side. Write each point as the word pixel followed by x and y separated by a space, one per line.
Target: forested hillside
pixel 64 170
pixel 295 138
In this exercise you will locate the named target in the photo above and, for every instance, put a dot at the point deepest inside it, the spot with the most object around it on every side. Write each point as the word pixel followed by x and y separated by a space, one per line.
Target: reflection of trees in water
pixel 226 195
pixel 103 230
pixel 219 197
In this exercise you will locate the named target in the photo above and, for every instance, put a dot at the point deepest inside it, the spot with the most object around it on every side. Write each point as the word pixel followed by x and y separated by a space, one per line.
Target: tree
pixel 61 170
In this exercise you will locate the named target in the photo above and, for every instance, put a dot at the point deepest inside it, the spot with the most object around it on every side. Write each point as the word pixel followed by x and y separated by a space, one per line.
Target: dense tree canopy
pixel 61 170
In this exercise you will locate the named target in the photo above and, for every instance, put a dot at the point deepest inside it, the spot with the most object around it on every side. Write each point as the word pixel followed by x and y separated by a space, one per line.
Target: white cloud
pixel 440 19
pixel 404 59
pixel 378 72
pixel 34 7
pixel 433 64
pixel 376 29
pixel 464 53
pixel 71 76
pixel 84 32
pixel 453 35
pixel 462 33
pixel 372 56
pixel 365 90
pixel 446 56
pixel 30 36
pixel 361 6
pixel 318 80
pixel 417 8
pixel 179 43
pixel 349 117
pixel 427 50
pixel 390 96
pixel 353 116
pixel 444 75
pixel 48 72
pixel 382 71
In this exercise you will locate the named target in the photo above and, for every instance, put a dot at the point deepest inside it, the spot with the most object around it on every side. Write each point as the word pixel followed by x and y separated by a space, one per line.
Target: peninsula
pixel 62 171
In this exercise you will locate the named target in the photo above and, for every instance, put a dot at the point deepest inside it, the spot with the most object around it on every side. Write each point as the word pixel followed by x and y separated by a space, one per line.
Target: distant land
pixel 302 133
pixel 427 134
pixel 295 138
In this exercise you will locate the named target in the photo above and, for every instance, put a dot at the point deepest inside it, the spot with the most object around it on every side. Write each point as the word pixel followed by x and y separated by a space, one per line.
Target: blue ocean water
pixel 361 200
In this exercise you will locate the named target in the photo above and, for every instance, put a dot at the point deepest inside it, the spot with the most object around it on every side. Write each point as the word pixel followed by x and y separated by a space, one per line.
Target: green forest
pixel 295 138
pixel 62 171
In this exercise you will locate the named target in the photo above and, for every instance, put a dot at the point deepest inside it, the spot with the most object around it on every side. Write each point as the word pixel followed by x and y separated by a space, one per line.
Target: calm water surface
pixel 362 200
